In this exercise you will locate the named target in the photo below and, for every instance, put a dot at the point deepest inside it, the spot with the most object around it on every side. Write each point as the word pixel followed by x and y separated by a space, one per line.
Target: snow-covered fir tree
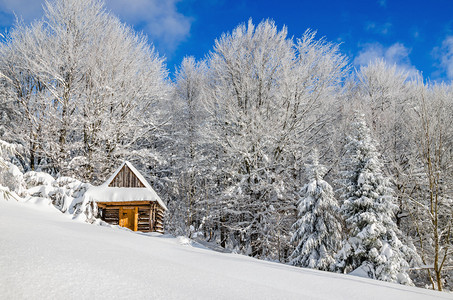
pixel 317 232
pixel 373 247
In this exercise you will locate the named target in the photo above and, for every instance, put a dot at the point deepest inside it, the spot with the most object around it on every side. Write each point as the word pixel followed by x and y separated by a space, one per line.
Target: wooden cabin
pixel 128 200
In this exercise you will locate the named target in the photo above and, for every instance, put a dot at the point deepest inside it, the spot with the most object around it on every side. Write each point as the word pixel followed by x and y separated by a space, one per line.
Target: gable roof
pixel 133 170
pixel 106 193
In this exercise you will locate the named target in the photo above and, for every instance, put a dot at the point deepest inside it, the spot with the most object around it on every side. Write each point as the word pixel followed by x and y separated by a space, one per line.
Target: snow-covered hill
pixel 44 254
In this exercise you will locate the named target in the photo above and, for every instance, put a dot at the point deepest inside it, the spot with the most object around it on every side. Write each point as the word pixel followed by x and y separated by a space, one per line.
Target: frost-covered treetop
pixel 315 169
pixel 6 150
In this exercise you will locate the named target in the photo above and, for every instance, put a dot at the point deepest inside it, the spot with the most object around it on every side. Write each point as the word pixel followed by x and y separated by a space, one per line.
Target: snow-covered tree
pixel 246 71
pixel 89 89
pixel 11 179
pixel 431 209
pixel 263 97
pixel 23 106
pixel 188 164
pixel 386 96
pixel 373 247
pixel 318 230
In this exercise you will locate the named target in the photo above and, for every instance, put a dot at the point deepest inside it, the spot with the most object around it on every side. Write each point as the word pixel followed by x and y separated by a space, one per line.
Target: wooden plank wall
pixel 125 178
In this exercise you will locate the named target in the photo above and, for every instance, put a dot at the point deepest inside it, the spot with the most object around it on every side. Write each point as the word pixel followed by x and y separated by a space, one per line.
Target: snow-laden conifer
pixel 317 231
pixel 373 248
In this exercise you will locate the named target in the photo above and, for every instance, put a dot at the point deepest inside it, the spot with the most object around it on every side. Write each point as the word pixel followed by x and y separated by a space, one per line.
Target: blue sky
pixel 415 35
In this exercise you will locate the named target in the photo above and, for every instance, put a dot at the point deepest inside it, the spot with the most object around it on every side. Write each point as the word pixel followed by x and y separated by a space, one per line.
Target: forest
pixel 270 146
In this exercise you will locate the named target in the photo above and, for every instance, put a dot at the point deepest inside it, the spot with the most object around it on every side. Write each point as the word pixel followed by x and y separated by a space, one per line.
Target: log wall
pixel 144 220
pixel 111 216
pixel 159 217
pixel 149 215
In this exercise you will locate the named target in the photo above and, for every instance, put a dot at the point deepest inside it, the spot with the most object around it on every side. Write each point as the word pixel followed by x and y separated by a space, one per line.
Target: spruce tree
pixel 317 231
pixel 373 248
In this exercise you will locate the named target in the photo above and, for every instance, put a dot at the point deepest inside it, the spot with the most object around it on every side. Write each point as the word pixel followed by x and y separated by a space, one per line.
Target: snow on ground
pixel 46 254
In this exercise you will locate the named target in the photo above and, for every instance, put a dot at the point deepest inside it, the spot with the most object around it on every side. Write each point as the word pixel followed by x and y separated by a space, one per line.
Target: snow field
pixel 46 254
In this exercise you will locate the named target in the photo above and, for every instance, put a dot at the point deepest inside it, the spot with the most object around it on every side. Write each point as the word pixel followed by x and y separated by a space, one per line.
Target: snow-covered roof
pixel 105 193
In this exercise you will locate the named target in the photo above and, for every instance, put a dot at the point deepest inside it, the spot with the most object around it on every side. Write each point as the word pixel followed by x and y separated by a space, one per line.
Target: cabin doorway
pixel 127 218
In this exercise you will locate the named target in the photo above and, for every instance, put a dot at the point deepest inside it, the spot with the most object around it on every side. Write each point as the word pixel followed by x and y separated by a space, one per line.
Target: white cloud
pixel 397 54
pixel 368 54
pixel 159 19
pixel 445 55
pixel 382 29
